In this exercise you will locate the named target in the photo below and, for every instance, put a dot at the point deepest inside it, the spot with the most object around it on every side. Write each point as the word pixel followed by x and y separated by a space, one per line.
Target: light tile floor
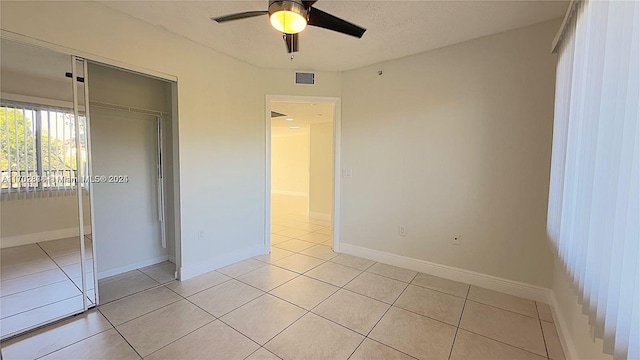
pixel 42 281
pixel 298 303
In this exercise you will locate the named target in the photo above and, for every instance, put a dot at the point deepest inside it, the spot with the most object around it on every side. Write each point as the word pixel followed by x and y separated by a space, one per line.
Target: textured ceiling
pixel 394 28
pixel 303 115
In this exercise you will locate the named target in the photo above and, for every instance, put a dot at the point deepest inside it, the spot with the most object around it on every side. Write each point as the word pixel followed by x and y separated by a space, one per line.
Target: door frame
pixel 335 215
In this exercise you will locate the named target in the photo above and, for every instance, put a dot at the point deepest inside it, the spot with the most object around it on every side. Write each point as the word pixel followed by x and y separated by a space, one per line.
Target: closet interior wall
pixel 124 109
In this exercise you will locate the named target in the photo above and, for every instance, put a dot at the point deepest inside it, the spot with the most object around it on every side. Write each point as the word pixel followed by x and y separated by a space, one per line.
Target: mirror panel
pixel 84 176
pixel 41 277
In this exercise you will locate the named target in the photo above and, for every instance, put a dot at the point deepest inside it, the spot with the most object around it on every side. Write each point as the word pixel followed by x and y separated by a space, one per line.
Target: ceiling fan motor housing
pixel 290 17
pixel 295 6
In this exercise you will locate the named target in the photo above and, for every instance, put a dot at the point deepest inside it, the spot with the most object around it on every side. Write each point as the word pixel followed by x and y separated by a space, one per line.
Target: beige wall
pixel 281 82
pixel 221 126
pixel 290 163
pixel 32 71
pixel 321 171
pixel 39 214
pixel 221 109
pixel 454 141
pixel 426 140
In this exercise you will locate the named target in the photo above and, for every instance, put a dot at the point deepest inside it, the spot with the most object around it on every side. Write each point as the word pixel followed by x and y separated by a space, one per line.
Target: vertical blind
pixel 593 215
pixel 37 148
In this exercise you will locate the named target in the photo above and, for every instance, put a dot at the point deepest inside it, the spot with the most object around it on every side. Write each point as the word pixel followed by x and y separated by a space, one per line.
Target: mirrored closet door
pixel 46 250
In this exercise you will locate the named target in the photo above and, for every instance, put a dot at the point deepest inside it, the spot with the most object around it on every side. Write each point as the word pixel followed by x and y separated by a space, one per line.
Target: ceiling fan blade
pixel 308 4
pixel 292 42
pixel 238 16
pixel 325 20
pixel 275 114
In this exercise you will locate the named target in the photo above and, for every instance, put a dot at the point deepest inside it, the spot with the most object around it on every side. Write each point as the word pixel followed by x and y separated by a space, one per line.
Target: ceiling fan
pixel 292 16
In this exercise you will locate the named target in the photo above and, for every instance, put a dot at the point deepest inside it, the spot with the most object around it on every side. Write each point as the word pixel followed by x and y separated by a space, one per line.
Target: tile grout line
pixel 147 313
pixel 261 295
pixel 271 338
pixel 455 336
pixel 269 291
pixel 81 340
pixel 37 287
pixel 499 308
pixel 504 343
pixel 60 267
pixel 155 286
pixel 51 303
pixel 258 349
pixel 439 291
pixel 352 291
pixel 377 322
pixel 343 287
pixel 215 318
pixel 53 258
pixel 38 328
pixel 306 311
pixel 199 291
pixel 300 273
pixel 544 341
pixel 94 308
pixel 131 295
pixel 305 314
pixel 119 333
pixel 42 306
pixel 180 337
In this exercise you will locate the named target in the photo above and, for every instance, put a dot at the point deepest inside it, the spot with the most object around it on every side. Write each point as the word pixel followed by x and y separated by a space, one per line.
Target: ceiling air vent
pixel 305 78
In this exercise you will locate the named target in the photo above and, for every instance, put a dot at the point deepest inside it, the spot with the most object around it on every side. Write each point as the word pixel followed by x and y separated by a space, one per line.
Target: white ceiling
pixel 394 28
pixel 303 115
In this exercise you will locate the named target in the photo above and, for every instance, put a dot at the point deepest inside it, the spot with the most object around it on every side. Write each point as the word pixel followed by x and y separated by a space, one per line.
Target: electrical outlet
pixel 456 240
pixel 347 173
pixel 402 230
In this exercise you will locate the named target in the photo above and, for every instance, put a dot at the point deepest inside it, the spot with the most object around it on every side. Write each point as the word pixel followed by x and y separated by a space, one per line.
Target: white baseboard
pixel 26 239
pixel 566 341
pixel 138 265
pixel 319 216
pixel 187 272
pixel 495 283
pixel 290 193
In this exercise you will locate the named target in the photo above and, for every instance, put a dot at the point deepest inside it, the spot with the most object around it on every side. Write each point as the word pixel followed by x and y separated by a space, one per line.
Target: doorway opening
pixel 302 138
pixel 132 143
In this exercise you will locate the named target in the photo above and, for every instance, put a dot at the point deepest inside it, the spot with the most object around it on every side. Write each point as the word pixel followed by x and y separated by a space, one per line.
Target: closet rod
pixel 104 105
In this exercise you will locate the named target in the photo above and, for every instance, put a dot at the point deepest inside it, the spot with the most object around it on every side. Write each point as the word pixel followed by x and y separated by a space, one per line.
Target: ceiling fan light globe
pixel 288 22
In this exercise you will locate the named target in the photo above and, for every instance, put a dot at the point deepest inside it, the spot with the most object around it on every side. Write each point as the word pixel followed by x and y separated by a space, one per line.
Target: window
pixel 37 148
pixel 593 217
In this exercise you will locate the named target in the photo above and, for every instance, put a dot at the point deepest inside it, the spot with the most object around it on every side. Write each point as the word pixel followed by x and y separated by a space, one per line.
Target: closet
pixel 88 191
pixel 130 124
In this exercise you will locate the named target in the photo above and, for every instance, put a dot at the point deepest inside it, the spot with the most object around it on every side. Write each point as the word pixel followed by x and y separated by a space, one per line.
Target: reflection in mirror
pixel 40 276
